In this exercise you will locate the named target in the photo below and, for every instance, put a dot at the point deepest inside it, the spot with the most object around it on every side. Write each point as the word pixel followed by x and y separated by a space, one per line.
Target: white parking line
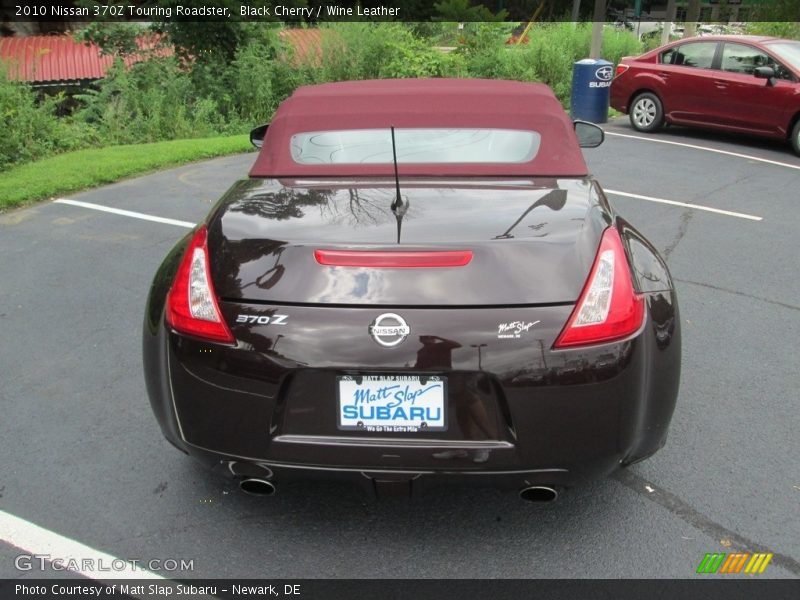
pixel 65 554
pixel 73 556
pixel 719 211
pixel 146 217
pixel 706 148
pixel 125 213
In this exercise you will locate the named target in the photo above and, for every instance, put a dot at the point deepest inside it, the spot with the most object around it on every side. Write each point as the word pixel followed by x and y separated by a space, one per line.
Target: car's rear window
pixel 429 145
pixel 694 54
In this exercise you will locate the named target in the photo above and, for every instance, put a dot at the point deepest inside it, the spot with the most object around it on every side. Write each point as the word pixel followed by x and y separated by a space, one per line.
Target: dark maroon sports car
pixel 419 282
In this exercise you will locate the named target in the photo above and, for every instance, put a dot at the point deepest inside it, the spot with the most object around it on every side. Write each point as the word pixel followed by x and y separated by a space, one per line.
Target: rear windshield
pixel 435 146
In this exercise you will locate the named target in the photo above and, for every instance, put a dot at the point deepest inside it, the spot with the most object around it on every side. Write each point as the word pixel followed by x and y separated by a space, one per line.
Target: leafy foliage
pixel 782 29
pixel 462 10
pixel 547 57
pixel 152 100
pixel 210 87
pixel 30 127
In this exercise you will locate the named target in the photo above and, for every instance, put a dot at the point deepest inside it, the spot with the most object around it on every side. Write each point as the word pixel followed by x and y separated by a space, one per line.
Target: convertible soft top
pixel 421 104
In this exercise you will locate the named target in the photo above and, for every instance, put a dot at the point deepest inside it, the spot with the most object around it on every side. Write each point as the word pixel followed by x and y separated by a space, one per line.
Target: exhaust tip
pixel 257 487
pixel 538 493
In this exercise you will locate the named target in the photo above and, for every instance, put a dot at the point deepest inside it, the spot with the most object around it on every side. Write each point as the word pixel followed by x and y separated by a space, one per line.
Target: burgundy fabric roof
pixel 422 103
pixel 54 58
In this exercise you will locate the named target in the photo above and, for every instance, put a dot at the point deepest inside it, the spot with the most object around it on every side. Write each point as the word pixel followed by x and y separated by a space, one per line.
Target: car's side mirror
pixel 257 135
pixel 589 134
pixel 767 73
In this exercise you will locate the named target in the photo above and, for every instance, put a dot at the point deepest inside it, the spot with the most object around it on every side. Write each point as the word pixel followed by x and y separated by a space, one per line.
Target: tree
pixel 692 16
pixel 461 10
pixel 599 20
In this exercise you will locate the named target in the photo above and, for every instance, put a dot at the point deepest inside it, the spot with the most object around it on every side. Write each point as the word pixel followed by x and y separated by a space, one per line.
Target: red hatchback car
pixel 741 84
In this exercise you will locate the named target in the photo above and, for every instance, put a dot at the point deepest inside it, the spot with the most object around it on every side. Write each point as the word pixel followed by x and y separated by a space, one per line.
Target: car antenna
pixel 398 201
pixel 399 207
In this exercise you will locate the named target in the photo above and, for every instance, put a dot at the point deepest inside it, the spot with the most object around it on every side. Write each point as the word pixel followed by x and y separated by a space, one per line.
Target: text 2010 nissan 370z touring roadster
pixel 419 282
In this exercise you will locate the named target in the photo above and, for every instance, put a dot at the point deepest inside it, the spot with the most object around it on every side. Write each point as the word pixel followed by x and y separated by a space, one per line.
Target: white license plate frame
pixel 385 403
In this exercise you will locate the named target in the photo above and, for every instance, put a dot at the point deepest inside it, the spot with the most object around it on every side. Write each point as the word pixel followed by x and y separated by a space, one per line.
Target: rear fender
pixel 649 270
pixel 154 353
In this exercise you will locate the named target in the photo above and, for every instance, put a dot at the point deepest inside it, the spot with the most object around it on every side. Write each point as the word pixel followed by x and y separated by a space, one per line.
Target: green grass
pixel 73 171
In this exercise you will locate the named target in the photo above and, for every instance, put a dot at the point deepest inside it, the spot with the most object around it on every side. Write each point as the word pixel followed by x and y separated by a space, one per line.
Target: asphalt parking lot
pixel 83 456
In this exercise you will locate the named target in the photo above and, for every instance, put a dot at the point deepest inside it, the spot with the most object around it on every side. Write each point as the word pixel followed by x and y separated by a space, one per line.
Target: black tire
pixel 646 112
pixel 795 139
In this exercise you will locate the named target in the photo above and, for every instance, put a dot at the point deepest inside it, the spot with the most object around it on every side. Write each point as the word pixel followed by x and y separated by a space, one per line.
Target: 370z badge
pixel 262 319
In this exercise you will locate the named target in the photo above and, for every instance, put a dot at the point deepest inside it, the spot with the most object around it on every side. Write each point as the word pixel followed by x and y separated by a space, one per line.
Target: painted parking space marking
pixel 38 541
pixel 719 211
pixel 189 225
pixel 65 554
pixel 125 213
pixel 705 148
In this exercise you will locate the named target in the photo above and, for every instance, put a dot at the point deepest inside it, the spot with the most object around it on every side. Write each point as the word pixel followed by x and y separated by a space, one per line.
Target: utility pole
pixel 599 21
pixel 669 19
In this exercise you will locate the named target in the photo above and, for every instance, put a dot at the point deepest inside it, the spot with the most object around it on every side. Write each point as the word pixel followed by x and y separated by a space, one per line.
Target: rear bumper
pixel 619 94
pixel 544 417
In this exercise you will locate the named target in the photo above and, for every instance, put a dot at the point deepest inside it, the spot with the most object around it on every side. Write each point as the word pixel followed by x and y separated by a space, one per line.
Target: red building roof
pixel 58 58
pixel 306 43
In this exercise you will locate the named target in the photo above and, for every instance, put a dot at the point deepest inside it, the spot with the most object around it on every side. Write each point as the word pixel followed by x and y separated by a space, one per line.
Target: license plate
pixel 392 403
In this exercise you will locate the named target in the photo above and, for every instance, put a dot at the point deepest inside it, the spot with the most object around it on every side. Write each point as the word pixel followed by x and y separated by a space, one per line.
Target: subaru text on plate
pixel 419 282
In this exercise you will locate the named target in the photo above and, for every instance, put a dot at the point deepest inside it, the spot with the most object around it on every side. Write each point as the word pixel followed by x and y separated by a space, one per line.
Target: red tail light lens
pixel 393 260
pixel 191 303
pixel 621 69
pixel 608 308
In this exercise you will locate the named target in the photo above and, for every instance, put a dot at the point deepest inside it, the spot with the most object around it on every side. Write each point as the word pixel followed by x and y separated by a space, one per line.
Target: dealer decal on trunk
pixel 514 329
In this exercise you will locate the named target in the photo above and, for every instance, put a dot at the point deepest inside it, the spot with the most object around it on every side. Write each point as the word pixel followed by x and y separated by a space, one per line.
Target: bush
pixel 379 51
pixel 547 56
pixel 783 29
pixel 150 101
pixel 619 43
pixel 263 74
pixel 30 126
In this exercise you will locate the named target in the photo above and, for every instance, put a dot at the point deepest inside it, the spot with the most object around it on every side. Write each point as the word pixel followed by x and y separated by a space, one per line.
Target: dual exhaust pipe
pixel 538 494
pixel 256 486
pixel 253 478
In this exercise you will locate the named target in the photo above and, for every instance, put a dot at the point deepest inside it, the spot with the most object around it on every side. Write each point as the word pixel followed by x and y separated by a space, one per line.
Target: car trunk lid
pixel 530 242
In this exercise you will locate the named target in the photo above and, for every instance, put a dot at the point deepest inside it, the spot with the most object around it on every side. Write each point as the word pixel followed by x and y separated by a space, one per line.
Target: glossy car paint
pixel 266 406
pixel 713 98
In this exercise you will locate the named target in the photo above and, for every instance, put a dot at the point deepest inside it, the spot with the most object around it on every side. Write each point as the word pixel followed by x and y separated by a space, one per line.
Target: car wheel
pixel 646 112
pixel 796 138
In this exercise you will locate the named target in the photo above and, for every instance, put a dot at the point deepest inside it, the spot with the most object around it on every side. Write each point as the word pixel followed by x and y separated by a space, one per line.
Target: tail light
pixel 393 259
pixel 621 69
pixel 191 303
pixel 608 308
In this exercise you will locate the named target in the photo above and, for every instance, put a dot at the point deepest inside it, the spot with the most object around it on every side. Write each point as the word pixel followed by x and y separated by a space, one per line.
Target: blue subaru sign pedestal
pixel 591 82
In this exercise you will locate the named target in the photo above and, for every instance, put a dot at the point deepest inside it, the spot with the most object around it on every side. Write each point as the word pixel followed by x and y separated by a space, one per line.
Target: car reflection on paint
pixel 409 232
